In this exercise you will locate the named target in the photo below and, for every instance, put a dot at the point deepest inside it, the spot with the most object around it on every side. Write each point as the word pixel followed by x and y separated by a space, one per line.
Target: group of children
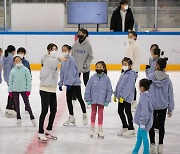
pixel 155 100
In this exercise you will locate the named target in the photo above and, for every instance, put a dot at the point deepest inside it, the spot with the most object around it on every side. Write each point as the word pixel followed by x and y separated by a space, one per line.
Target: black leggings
pixel 47 99
pixel 160 116
pixel 85 77
pixel 10 103
pixel 127 107
pixel 69 93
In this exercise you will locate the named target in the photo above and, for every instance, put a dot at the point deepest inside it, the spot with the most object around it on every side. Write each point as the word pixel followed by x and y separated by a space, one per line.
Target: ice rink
pixel 76 140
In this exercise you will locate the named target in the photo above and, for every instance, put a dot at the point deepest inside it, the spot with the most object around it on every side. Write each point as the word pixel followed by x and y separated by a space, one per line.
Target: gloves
pixel 106 104
pixel 60 89
pixel 89 103
pixel 28 93
pixel 169 114
pixel 69 87
pixel 142 126
pixel 115 98
pixel 121 100
pixel 10 94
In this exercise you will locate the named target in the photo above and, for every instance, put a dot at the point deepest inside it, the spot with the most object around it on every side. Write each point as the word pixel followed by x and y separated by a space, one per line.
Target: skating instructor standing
pixel 48 84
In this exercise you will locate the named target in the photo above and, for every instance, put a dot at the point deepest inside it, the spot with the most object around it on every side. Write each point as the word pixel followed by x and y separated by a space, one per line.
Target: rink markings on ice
pixel 37 147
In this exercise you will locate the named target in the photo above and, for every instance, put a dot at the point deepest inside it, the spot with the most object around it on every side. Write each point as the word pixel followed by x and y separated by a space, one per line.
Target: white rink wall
pixel 106 46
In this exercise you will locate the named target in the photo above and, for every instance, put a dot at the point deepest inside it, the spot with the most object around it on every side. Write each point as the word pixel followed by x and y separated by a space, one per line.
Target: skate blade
pixel 69 124
pixel 43 141
pixel 51 137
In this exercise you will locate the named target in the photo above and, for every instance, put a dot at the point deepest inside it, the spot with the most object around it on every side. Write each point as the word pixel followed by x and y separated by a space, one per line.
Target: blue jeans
pixel 142 135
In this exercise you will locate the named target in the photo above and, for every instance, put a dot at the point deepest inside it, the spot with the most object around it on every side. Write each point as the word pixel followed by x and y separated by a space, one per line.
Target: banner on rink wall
pixel 106 46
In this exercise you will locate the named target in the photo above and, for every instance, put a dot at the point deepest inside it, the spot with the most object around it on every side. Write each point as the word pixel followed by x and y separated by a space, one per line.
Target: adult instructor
pixel 122 19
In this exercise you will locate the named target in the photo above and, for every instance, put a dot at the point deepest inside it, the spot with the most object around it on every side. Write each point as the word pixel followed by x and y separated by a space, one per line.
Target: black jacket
pixel 116 21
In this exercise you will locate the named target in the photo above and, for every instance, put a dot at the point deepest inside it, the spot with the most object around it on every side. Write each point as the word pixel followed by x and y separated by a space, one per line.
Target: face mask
pixel 65 54
pixel 53 53
pixel 21 55
pixel 19 65
pixel 126 7
pixel 125 68
pixel 81 37
pixel 131 40
pixel 99 71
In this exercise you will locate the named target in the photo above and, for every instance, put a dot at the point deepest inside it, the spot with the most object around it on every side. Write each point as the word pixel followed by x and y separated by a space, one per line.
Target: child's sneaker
pixel 18 122
pixel 129 133
pixel 33 122
pixel 160 149
pixel 153 149
pixel 42 137
pixel 85 121
pixel 92 131
pixel 50 134
pixel 123 130
pixel 70 121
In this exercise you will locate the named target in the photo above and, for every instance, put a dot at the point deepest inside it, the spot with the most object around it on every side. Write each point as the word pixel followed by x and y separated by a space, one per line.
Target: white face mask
pixel 125 68
pixel 19 65
pixel 65 54
pixel 131 40
pixel 126 7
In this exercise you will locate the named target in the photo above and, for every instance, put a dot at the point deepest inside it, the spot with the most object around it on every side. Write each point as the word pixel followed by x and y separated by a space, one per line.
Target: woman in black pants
pixel 48 84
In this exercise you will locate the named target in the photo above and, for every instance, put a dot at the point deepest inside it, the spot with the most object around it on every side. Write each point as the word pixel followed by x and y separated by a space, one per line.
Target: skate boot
pixel 33 122
pixel 85 121
pixel 152 149
pixel 123 130
pixel 6 112
pixel 160 149
pixel 51 135
pixel 42 137
pixel 70 121
pixel 92 131
pixel 11 114
pixel 88 106
pixel 18 122
pixel 100 133
pixel 129 133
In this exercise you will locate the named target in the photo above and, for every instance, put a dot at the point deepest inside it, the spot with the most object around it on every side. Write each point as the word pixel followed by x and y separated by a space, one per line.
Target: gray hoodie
pixel 49 71
pixel 83 54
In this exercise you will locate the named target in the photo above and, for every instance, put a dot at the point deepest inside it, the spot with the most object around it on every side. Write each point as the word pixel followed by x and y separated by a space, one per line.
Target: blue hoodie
pixel 69 74
pixel 151 61
pixel 144 111
pixel 1 65
pixel 161 91
pixel 8 65
pixel 98 89
pixel 152 67
pixel 126 85
pixel 26 63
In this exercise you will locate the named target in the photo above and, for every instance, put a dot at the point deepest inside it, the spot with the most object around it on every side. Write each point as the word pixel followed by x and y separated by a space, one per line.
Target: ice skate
pixel 160 149
pixel 6 112
pixel 70 121
pixel 100 133
pixel 33 122
pixel 11 114
pixel 85 121
pixel 152 149
pixel 51 135
pixel 88 106
pixel 123 130
pixel 42 137
pixel 18 122
pixel 129 133
pixel 92 131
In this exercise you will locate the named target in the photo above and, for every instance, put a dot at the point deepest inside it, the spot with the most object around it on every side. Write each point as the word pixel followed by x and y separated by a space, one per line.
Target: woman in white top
pixel 133 52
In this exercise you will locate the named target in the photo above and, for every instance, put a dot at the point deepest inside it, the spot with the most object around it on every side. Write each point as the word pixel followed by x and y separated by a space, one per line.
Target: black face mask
pixel 81 37
pixel 99 71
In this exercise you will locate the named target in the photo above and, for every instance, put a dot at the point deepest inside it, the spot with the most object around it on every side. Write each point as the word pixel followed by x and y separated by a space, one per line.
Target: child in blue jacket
pixel 156 53
pixel 143 116
pixel 124 92
pixel 69 77
pixel 161 91
pixel 20 84
pixel 8 65
pixel 1 65
pixel 98 94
